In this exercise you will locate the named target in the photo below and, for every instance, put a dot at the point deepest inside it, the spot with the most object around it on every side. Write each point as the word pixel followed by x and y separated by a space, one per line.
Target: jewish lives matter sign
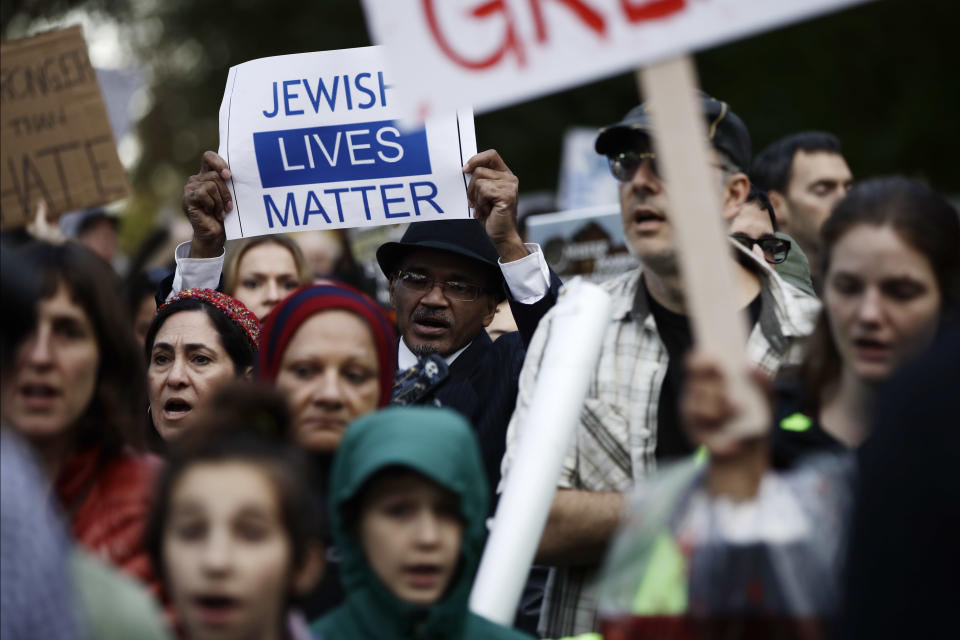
pixel 492 53
pixel 313 141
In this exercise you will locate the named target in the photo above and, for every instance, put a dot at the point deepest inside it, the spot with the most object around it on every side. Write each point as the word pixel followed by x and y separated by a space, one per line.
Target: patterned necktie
pixel 412 385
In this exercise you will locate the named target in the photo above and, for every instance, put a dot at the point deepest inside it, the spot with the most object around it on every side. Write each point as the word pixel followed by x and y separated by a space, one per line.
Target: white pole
pixel 579 321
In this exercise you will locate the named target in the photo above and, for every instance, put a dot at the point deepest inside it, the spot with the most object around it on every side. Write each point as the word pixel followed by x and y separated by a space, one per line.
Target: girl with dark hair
pixel 262 271
pixel 76 392
pixel 199 340
pixel 891 265
pixel 234 530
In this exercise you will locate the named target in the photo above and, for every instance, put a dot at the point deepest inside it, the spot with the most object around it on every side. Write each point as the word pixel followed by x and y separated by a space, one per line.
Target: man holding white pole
pixel 629 419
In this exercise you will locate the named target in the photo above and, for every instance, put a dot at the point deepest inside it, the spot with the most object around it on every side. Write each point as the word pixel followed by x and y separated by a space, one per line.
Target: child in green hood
pixel 408 501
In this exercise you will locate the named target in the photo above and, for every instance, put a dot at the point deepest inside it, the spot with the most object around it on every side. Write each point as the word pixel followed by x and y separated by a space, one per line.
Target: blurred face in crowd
pixel 818 181
pixel 266 274
pixel 226 552
pixel 144 316
pixel 503 321
pixel 55 371
pixel 411 531
pixel 882 299
pixel 187 364
pixel 752 222
pixel 330 375
pixel 440 319
pixel 101 238
pixel 645 207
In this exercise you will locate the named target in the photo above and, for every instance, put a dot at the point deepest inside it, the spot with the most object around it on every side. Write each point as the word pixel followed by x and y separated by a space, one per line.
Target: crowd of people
pixel 250 446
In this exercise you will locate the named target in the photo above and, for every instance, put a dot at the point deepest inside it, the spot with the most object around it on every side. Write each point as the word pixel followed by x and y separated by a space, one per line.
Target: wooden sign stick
pixel 703 250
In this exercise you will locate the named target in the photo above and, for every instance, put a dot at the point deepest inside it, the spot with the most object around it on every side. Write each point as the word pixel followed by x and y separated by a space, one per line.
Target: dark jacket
pixel 482 383
pixel 395 437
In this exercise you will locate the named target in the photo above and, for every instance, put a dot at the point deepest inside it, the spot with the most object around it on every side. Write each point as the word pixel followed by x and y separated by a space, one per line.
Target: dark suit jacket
pixel 482 383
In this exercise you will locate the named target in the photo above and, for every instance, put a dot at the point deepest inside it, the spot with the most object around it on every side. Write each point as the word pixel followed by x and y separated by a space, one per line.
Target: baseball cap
pixel 725 129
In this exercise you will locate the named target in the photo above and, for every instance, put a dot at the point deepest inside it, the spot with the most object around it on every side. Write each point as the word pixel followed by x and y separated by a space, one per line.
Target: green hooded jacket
pixel 439 444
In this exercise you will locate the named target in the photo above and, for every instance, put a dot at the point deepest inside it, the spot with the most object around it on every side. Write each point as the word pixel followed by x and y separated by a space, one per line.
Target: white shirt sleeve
pixel 191 273
pixel 527 278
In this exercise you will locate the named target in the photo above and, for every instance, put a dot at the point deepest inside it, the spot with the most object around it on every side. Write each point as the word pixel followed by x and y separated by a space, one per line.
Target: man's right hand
pixel 206 202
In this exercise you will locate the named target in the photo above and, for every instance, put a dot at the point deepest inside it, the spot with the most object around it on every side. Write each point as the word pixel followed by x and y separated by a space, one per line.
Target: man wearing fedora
pixel 629 421
pixel 446 279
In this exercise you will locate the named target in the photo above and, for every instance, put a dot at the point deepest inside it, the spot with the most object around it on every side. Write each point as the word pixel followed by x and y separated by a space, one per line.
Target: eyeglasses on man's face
pixel 775 250
pixel 455 290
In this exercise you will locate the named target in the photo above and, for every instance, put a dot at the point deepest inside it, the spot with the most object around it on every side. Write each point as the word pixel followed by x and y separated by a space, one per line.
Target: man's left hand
pixel 493 195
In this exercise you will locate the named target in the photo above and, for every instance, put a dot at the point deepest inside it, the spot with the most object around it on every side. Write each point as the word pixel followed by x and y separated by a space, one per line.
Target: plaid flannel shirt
pixel 615 442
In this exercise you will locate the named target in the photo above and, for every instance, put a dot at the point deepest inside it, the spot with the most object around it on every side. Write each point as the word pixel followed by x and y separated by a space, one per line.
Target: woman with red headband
pixel 199 340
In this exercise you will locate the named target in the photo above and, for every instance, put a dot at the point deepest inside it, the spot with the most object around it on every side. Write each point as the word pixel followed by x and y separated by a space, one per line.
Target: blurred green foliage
pixel 882 76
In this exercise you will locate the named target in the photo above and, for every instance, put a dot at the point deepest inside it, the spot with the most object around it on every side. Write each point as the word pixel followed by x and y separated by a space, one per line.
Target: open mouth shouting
pixel 176 409
pixel 871 349
pixel 646 220
pixel 216 609
pixel 423 576
pixel 39 396
pixel 429 324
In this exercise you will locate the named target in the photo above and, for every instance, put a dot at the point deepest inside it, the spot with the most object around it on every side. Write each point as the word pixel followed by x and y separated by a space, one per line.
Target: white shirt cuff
pixel 193 273
pixel 527 278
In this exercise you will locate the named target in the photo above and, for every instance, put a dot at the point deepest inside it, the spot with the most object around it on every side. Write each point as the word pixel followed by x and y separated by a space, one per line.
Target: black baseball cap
pixel 462 236
pixel 726 131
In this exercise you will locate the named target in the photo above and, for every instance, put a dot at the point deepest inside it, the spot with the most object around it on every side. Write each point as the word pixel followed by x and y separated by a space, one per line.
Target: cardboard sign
pixel 495 53
pixel 56 142
pixel 583 242
pixel 313 142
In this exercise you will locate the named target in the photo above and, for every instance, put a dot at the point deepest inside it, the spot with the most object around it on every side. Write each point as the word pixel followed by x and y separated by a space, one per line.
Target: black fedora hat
pixel 463 236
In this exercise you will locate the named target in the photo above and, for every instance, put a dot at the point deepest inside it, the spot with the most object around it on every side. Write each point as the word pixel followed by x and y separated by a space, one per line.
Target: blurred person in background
pixel 140 291
pixel 322 250
pixel 95 229
pixel 234 530
pixel 262 271
pixel 76 392
pixel 199 340
pixel 408 521
pixel 756 228
pixel 891 265
pixel 503 322
pixel 805 175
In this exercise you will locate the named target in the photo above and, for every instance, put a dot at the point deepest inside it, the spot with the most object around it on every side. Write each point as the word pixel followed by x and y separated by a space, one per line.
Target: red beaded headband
pixel 229 306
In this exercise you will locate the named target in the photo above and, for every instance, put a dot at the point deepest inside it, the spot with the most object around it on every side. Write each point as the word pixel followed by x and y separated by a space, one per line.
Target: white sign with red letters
pixel 493 53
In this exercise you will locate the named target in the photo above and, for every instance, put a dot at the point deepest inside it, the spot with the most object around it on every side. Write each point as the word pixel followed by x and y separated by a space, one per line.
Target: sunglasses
pixel 775 250
pixel 624 165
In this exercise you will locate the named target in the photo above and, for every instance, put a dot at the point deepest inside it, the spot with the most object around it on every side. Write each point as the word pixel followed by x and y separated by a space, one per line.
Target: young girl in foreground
pixel 233 530
pixel 408 502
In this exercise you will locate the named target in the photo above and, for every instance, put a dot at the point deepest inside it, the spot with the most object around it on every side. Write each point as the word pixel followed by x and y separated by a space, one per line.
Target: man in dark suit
pixel 446 279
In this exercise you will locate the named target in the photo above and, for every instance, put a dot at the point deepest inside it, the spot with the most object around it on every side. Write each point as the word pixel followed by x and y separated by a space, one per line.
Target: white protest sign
pixel 313 142
pixel 494 53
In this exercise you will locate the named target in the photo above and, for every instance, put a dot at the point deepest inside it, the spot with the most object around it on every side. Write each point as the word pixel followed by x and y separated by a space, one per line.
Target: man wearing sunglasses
pixel 629 421
pixel 756 228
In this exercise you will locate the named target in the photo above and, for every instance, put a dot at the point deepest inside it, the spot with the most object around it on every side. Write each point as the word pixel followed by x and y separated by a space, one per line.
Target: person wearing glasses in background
pixel 756 228
pixel 629 421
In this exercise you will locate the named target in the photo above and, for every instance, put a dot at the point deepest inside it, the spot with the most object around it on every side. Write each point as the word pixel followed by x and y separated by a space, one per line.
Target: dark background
pixel 883 76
